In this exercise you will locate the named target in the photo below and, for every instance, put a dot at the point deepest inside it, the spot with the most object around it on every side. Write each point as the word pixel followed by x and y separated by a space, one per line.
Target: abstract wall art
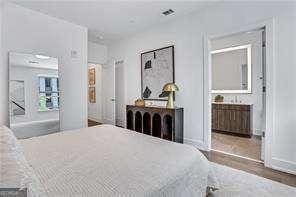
pixel 91 76
pixel 157 70
pixel 92 94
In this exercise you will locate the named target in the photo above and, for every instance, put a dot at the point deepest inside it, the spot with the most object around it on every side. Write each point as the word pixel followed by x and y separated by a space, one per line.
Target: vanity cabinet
pixel 232 118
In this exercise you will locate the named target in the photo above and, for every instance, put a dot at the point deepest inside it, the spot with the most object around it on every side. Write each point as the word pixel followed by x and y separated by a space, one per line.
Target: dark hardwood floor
pixel 92 123
pixel 252 167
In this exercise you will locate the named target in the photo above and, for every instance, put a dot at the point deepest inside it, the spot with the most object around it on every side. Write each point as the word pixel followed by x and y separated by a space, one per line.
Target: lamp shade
pixel 170 87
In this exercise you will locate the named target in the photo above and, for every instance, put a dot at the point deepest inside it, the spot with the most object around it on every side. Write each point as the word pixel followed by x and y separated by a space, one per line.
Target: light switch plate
pixel 74 54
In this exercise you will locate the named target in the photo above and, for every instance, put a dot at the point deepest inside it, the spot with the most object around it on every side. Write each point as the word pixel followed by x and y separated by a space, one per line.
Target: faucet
pixel 235 99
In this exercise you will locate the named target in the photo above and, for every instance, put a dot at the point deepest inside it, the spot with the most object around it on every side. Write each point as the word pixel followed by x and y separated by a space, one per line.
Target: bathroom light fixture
pixel 42 57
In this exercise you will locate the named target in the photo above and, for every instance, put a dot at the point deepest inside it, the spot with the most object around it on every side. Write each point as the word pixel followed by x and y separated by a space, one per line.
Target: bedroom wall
pixel 187 35
pixel 3 73
pixel 97 53
pixel 256 97
pixel 29 31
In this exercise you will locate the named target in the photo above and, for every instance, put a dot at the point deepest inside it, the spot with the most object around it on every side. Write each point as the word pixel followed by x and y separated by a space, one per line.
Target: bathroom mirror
pixel 231 70
pixel 34 97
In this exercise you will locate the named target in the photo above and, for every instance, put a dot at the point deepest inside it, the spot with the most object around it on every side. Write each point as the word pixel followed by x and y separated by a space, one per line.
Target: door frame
pixel 119 64
pixel 105 99
pixel 269 25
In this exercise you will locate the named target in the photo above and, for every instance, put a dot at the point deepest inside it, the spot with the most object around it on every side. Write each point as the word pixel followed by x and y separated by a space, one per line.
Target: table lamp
pixel 170 88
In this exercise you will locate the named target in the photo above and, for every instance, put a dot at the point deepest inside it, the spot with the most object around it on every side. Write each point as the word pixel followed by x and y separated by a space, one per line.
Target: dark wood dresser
pixel 232 118
pixel 156 121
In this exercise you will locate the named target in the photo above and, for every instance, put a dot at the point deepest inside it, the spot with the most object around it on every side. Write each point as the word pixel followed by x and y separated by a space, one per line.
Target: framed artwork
pixel 157 69
pixel 92 94
pixel 91 76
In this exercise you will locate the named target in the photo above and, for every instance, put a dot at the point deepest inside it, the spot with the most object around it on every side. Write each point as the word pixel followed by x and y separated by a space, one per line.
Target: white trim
pixel 258 132
pixel 269 25
pixel 196 143
pixel 95 119
pixel 231 49
pixel 48 75
pixel 226 153
pixel 207 70
pixel 107 121
pixel 283 165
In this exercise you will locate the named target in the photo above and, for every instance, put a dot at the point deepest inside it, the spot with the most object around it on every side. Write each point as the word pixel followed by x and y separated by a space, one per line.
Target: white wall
pixel 256 97
pixel 187 35
pixel 97 53
pixel 3 77
pixel 95 109
pixel 31 81
pixel 29 31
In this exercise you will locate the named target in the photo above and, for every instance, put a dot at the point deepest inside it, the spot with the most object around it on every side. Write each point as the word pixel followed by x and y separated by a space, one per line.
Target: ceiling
pixel 30 60
pixel 111 20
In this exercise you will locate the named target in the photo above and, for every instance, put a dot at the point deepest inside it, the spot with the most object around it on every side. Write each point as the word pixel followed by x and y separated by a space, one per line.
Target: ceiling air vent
pixel 33 62
pixel 168 12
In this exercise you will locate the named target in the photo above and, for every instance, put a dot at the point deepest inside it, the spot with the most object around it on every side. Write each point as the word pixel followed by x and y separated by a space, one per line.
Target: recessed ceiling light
pixel 42 57
pixel 100 37
pixel 168 12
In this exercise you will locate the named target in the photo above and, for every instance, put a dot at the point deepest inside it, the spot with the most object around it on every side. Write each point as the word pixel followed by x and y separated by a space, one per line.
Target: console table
pixel 156 121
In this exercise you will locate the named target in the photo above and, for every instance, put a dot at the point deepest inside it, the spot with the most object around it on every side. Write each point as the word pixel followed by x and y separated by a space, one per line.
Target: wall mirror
pixel 231 70
pixel 34 97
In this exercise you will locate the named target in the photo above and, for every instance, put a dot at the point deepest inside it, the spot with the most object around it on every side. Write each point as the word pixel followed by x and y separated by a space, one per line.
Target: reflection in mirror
pixel 231 70
pixel 33 94
pixel 17 98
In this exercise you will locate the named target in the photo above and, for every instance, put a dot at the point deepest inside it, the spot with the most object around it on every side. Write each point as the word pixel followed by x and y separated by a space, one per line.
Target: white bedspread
pixel 110 161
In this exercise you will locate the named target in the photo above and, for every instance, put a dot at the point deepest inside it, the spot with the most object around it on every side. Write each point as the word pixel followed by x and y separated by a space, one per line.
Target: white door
pixel 108 76
pixel 119 94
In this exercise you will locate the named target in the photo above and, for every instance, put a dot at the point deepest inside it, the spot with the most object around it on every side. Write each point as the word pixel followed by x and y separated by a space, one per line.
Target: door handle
pixel 112 99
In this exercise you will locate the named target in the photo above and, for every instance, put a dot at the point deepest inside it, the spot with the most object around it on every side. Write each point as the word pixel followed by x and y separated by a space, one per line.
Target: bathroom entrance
pixel 238 98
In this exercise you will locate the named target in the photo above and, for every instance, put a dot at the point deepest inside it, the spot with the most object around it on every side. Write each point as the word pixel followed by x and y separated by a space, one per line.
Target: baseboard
pixel 196 143
pixel 120 122
pixel 107 121
pixel 283 165
pixel 257 132
pixel 95 119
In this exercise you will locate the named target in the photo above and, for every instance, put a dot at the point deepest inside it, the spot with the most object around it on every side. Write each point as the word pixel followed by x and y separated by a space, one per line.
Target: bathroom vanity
pixel 232 118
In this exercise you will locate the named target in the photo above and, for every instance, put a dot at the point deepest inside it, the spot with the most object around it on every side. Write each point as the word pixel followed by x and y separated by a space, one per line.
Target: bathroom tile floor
pixel 241 146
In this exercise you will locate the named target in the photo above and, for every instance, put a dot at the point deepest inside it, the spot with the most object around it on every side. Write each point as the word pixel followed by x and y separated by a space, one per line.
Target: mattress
pixel 109 161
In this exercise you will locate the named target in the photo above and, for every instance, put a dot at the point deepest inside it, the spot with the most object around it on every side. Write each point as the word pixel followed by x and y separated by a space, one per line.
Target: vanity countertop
pixel 229 103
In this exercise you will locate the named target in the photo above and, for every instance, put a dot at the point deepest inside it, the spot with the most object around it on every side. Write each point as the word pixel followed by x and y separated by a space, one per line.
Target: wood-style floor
pixel 242 146
pixel 250 166
pixel 92 123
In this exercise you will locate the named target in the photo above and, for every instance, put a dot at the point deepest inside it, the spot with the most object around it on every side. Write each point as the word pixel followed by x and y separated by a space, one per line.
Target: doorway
pixel 238 115
pixel 266 82
pixel 113 93
pixel 94 94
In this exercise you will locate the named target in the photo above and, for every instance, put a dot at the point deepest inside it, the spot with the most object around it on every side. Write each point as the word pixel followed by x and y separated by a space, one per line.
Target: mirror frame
pixel 249 66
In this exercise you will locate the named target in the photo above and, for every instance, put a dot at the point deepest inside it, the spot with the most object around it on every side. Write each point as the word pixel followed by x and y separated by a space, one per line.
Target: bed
pixel 110 161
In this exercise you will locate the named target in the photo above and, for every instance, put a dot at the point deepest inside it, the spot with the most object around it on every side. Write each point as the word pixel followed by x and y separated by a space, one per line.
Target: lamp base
pixel 170 103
